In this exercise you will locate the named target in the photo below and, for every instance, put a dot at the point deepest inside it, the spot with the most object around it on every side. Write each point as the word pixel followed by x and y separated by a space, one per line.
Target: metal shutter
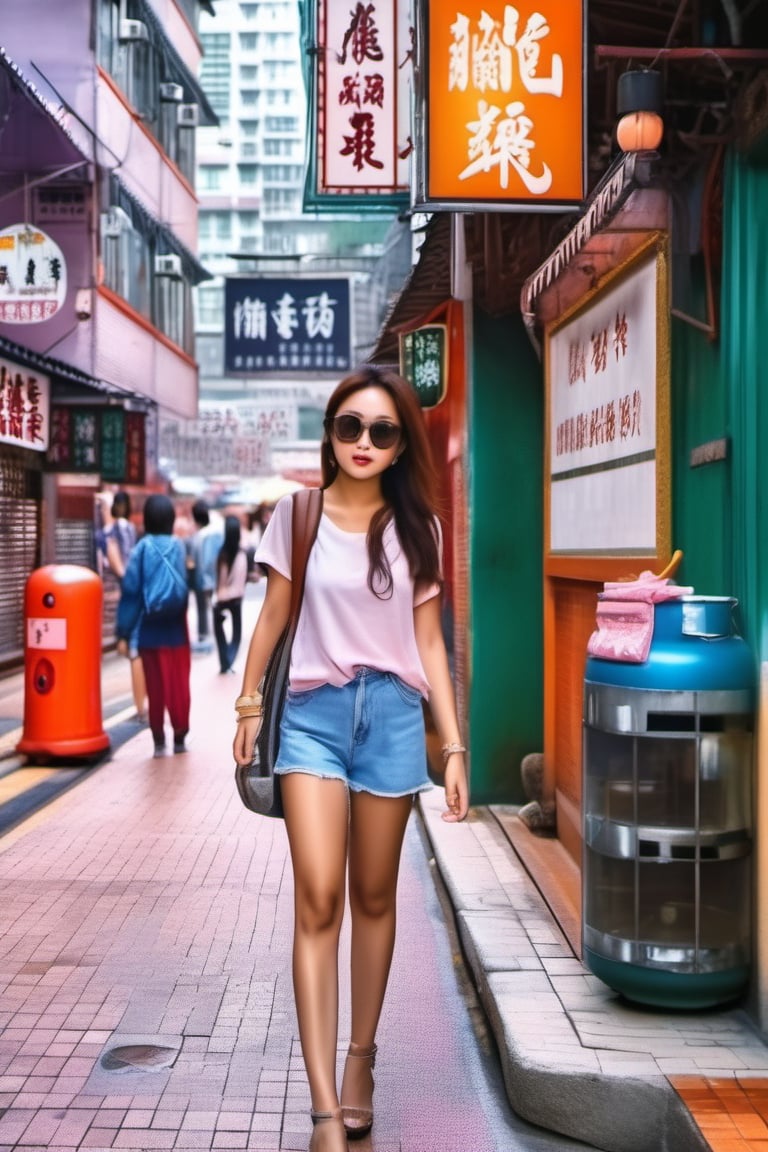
pixel 20 488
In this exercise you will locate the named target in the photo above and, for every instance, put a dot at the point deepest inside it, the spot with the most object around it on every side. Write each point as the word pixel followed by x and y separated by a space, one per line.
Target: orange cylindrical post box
pixel 62 663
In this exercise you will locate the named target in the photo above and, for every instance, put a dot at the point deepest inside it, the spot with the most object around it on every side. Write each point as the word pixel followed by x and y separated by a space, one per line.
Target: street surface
pixel 145 991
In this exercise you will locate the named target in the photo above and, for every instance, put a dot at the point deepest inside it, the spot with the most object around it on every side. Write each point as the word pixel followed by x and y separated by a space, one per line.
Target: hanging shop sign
pixel 33 275
pixel 106 440
pixel 608 417
pixel 24 407
pixel 424 362
pixel 502 105
pixel 287 324
pixel 361 94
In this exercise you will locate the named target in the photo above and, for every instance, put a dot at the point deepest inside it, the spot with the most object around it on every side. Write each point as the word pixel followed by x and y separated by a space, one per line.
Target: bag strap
pixel 307 510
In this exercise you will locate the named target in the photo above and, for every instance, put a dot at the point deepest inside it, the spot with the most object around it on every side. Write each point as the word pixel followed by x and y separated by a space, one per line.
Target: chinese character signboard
pixel 424 362
pixel 608 401
pixel 287 324
pixel 503 105
pixel 33 275
pixel 108 441
pixel 24 407
pixel 360 142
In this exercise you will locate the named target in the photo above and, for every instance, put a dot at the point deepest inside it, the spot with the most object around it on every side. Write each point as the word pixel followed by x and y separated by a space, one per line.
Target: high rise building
pixel 250 180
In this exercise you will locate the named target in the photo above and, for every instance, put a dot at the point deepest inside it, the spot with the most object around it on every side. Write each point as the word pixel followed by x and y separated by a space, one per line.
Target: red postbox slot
pixel 43 676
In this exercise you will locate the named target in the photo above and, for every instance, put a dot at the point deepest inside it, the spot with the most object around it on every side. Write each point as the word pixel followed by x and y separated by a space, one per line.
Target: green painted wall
pixel 700 495
pixel 506 411
pixel 719 510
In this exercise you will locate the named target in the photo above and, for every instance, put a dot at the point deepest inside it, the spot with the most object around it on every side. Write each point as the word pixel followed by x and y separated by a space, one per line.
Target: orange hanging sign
pixel 504 104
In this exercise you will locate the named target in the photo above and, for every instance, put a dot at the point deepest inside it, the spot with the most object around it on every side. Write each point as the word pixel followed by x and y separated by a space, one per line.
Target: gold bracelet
pixel 247 701
pixel 449 749
pixel 245 713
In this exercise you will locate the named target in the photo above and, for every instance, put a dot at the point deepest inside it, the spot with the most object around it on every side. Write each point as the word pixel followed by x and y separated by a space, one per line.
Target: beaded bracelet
pixel 449 749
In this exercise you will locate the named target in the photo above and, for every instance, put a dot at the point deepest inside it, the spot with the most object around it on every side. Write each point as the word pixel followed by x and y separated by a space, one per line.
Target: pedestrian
pixel 203 550
pixel 120 538
pixel 231 579
pixel 368 650
pixel 163 637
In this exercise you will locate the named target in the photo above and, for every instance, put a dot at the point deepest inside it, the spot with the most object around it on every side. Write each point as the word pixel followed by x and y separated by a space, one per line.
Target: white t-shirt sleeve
pixel 274 548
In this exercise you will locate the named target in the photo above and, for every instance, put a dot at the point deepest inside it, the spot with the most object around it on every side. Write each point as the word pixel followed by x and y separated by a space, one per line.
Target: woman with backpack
pixel 231 579
pixel 120 539
pixel 154 598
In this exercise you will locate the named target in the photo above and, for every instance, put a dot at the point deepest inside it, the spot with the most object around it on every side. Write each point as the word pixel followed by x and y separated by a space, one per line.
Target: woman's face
pixel 366 436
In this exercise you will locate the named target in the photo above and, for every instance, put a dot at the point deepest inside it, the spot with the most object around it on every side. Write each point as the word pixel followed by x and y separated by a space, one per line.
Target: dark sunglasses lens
pixel 383 434
pixel 347 427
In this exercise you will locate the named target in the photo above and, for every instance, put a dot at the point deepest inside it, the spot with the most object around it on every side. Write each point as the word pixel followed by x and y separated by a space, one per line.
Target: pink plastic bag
pixel 624 631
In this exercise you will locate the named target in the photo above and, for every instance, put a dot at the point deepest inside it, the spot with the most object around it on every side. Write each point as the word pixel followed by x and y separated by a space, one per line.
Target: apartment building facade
pixel 99 108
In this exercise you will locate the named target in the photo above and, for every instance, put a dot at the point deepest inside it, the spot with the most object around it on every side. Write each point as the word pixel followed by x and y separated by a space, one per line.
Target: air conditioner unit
pixel 132 30
pixel 172 92
pixel 169 265
pixel 118 221
pixel 188 115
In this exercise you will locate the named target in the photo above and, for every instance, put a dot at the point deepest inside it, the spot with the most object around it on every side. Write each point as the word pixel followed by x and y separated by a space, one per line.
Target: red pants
pixel 166 671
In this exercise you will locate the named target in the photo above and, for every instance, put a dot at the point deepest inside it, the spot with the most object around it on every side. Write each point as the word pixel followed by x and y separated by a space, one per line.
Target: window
pixel 215 72
pixel 248 174
pixel 280 200
pixel 249 98
pixel 215 225
pixel 126 256
pixel 248 73
pixel 249 221
pixel 210 304
pixel 211 177
pixel 249 41
pixel 249 128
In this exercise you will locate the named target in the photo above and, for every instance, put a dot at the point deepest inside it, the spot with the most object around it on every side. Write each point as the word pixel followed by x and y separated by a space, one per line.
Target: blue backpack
pixel 164 580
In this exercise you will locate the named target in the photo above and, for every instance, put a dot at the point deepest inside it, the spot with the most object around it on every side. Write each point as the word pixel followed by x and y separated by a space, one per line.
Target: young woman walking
pixel 369 648
pixel 231 579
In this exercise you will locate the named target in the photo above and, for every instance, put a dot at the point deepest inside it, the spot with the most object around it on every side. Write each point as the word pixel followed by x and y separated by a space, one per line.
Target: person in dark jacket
pixel 163 640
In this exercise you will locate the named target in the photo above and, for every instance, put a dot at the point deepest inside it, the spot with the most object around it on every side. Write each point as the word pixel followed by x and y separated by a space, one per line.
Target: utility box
pixel 667 763
pixel 62 663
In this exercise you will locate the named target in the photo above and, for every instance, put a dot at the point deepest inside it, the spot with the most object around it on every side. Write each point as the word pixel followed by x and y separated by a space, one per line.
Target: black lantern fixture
pixel 639 104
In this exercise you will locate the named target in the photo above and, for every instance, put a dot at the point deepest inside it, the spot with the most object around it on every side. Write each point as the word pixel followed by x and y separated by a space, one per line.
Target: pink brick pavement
pixel 146 906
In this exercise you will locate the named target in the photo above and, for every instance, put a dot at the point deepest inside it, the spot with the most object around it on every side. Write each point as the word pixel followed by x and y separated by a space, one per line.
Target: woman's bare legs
pixel 316 818
pixel 377 828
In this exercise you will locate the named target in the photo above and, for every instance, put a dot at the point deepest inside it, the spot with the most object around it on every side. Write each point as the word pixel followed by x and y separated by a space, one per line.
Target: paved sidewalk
pixel 148 911
pixel 145 988
pixel 577 1058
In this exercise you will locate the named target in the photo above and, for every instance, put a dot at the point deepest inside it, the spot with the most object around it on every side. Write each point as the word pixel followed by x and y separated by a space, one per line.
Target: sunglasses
pixel 349 428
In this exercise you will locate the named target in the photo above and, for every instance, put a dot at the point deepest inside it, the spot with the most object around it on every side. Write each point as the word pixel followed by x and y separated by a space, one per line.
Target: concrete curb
pixel 514 947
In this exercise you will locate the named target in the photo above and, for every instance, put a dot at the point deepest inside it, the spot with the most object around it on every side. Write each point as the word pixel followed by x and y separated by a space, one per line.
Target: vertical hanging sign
pixel 361 95
pixel 503 105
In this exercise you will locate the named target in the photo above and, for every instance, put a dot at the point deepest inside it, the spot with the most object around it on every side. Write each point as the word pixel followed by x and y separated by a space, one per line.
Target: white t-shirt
pixel 343 626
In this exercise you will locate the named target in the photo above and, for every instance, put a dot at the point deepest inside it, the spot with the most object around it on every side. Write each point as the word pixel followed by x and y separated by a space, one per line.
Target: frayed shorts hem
pixel 426 786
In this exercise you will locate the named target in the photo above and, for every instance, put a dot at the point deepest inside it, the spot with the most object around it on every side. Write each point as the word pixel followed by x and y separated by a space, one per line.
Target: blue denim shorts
pixel 368 733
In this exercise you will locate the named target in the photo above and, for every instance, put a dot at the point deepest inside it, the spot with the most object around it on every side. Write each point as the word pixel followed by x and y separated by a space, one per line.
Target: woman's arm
pixel 269 627
pixel 442 702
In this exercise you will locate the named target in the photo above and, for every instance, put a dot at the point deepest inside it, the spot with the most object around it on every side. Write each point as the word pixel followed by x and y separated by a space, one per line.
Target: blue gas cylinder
pixel 695 647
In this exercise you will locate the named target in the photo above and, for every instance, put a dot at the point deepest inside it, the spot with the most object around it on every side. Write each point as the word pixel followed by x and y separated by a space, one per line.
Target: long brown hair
pixel 408 487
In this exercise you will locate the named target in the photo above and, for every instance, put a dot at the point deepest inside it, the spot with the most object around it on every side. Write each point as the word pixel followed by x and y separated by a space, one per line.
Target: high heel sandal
pixel 321 1118
pixel 358 1120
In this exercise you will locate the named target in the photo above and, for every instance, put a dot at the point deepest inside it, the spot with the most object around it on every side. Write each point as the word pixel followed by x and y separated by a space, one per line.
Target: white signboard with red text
pixel 605 383
pixel 25 407
pixel 362 96
pixel 33 275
